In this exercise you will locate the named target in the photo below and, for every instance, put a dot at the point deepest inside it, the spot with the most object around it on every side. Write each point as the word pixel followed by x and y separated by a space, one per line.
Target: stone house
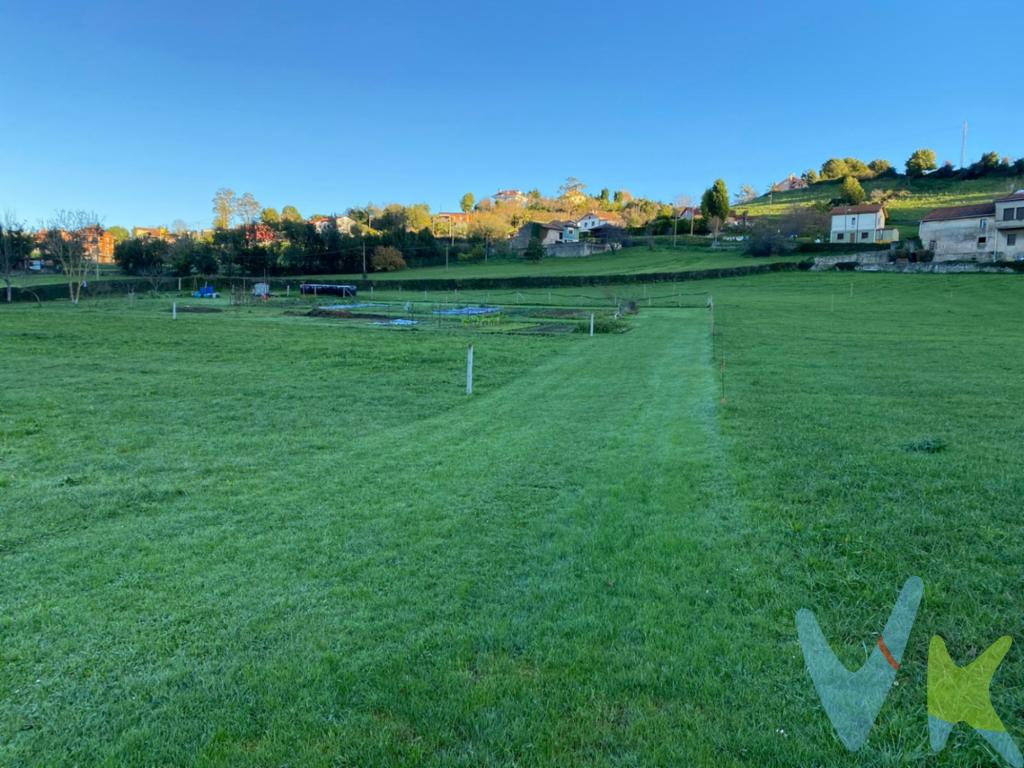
pixel 984 232
pixel 789 184
pixel 548 233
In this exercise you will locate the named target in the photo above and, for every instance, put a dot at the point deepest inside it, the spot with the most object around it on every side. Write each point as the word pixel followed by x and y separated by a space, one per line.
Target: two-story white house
pixel 593 220
pixel 987 231
pixel 861 224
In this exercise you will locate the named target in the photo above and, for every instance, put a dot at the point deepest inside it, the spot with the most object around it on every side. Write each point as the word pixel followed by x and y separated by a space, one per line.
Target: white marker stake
pixel 174 311
pixel 179 285
pixel 591 323
pixel 469 371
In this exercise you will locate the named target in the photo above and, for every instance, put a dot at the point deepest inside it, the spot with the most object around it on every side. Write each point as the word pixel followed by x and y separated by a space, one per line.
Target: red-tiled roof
pixel 1018 195
pixel 844 210
pixel 961 212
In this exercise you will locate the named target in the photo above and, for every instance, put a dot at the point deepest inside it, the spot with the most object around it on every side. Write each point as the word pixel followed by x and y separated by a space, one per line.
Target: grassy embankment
pixel 904 213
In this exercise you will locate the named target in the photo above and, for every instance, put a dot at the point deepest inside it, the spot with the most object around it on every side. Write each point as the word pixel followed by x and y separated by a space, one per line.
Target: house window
pixel 863 235
pixel 983 225
pixel 982 241
pixel 839 236
pixel 1008 214
pixel 1011 239
pixel 1020 214
pixel 931 245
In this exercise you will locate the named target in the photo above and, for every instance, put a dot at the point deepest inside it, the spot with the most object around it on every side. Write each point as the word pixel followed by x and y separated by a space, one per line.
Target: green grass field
pixel 925 195
pixel 259 538
pixel 635 260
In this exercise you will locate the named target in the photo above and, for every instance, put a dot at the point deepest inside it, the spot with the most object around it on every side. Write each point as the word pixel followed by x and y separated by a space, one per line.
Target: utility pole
pixel 364 260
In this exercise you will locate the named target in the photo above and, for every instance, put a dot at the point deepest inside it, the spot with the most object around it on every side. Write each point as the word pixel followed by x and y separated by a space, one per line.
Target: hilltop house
pixel 596 219
pixel 989 231
pixel 861 224
pixel 789 184
pixel 320 224
pixel 451 223
pixel 343 224
pixel 159 233
pixel 509 196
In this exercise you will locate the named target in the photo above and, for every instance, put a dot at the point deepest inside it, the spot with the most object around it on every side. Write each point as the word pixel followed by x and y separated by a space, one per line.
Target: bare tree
pixel 746 194
pixel 66 240
pixel 247 208
pixel 179 227
pixel 224 207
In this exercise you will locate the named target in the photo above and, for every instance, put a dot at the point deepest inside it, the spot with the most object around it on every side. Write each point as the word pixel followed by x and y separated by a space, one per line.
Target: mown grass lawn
pixel 260 539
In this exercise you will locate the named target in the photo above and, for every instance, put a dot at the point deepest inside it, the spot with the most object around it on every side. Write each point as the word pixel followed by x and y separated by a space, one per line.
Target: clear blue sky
pixel 140 111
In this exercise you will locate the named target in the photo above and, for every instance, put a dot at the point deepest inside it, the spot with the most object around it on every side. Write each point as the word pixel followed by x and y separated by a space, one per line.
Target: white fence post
pixel 591 323
pixel 174 311
pixel 469 371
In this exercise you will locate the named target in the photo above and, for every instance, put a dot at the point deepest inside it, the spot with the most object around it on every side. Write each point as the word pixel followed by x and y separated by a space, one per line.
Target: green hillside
pixel 905 213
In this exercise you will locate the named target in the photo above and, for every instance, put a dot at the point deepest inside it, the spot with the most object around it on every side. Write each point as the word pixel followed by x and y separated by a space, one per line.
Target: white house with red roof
pixel 861 225
pixel 596 219
pixel 987 231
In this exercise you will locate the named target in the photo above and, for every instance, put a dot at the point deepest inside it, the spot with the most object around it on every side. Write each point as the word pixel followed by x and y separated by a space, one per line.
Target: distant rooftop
pixel 961 212
pixel 844 210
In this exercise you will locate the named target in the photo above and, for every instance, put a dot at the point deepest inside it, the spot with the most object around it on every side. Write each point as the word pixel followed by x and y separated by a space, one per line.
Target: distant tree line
pixel 921 162
pixel 285 248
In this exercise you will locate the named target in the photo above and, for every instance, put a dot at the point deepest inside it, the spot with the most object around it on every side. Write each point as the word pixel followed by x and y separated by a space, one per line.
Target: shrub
pixel 387 258
pixel 603 325
pixel 851 191
pixel 476 253
pixel 922 160
pixel 534 250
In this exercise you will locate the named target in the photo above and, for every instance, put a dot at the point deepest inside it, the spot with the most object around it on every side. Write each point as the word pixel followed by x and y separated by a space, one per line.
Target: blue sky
pixel 140 111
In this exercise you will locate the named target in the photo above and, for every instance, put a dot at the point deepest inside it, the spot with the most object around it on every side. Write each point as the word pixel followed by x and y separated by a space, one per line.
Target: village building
pixel 861 225
pixel 789 184
pixel 984 232
pixel 344 224
pixel 549 233
pixel 99 245
pixel 596 219
pixel 509 196
pixel 159 233
pixel 451 224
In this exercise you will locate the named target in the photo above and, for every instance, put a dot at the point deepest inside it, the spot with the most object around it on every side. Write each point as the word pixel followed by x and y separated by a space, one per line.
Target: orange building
pixel 99 245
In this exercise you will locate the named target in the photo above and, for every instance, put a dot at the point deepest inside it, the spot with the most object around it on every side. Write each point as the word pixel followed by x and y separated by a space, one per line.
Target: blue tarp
pixel 468 311
pixel 365 305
